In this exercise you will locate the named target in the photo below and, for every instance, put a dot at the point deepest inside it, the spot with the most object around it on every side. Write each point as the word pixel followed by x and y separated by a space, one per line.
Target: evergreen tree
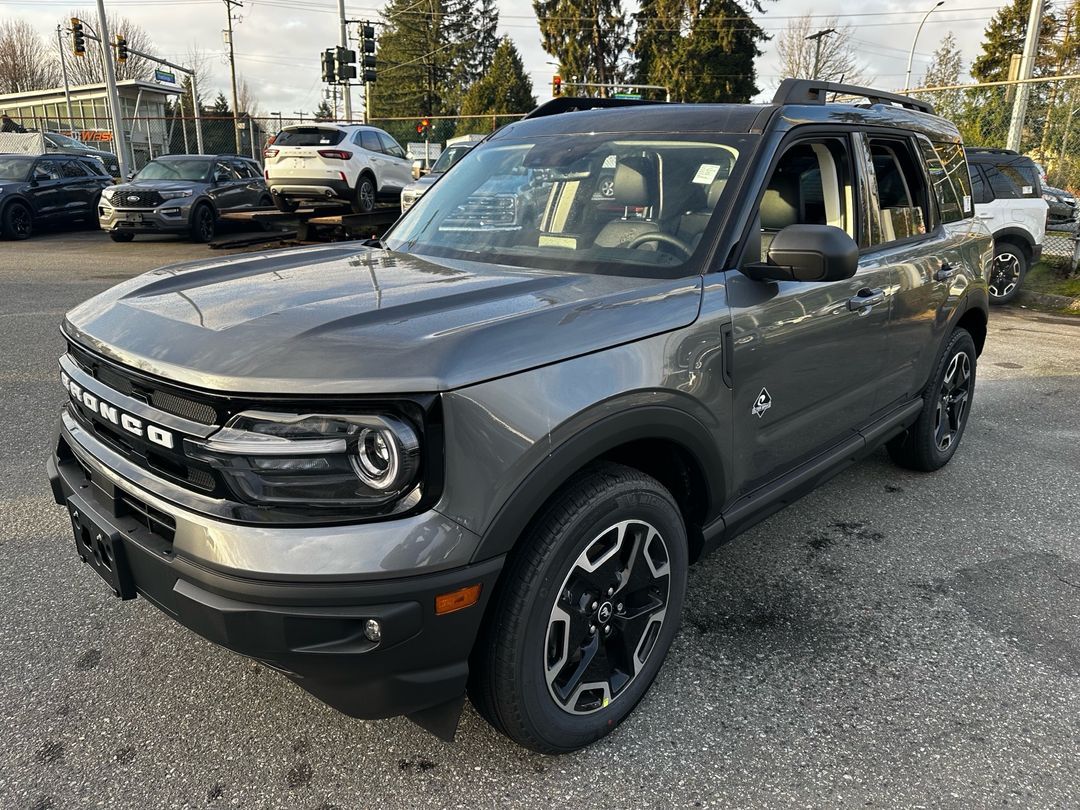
pixel 487 37
pixel 505 89
pixel 702 50
pixel 221 105
pixel 945 69
pixel 590 39
pixel 323 112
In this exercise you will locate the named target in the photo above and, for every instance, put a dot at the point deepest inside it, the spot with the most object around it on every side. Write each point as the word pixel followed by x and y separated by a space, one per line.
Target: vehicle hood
pixel 12 184
pixel 423 183
pixel 348 319
pixel 160 185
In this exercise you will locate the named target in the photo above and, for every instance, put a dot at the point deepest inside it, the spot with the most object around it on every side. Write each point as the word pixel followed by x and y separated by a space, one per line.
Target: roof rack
pixel 989 150
pixel 808 91
pixel 565 104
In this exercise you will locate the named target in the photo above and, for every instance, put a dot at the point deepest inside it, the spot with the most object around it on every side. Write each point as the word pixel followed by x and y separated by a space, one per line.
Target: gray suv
pixel 182 194
pixel 480 454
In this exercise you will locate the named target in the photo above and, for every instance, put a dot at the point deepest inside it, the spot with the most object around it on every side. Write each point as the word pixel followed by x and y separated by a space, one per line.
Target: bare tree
pixel 246 99
pixel 27 62
pixel 835 60
pixel 88 69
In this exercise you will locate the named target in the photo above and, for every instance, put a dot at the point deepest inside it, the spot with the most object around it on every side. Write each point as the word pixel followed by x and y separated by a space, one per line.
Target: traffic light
pixel 343 64
pixel 424 127
pixel 367 52
pixel 78 37
pixel 121 48
pixel 556 85
pixel 329 73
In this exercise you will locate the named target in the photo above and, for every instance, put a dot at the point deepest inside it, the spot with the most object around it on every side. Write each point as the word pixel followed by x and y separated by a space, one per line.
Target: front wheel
pixel 588 609
pixel 1006 273
pixel 121 236
pixel 202 224
pixel 17 222
pixel 364 198
pixel 930 443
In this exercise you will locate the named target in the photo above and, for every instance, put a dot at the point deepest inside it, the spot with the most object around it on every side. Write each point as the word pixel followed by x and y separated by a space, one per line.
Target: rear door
pixel 400 166
pixel 46 190
pixel 81 189
pixel 251 181
pixel 227 189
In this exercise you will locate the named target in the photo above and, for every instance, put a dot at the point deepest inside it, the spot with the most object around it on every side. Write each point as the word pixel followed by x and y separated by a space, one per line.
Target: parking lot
pixel 893 639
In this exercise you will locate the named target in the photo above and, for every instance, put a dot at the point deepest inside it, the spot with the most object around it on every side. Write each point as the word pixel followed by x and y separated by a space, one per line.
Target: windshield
pixel 14 167
pixel 195 170
pixel 450 156
pixel 604 203
pixel 64 142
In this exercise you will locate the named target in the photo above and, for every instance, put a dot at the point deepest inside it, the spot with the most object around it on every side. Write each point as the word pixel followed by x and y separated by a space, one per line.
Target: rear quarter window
pixel 309 136
pixel 949 176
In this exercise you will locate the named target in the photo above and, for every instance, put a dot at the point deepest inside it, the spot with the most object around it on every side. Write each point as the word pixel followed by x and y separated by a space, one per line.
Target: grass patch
pixel 1043 278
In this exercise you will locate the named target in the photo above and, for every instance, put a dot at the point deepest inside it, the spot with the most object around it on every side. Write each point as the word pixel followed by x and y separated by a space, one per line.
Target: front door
pixel 807 356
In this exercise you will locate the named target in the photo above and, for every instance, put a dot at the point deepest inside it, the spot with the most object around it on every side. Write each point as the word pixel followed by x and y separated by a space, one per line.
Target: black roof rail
pixel 565 104
pixel 808 91
pixel 989 150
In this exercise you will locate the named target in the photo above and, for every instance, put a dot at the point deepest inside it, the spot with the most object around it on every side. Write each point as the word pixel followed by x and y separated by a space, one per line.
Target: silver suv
pixel 183 194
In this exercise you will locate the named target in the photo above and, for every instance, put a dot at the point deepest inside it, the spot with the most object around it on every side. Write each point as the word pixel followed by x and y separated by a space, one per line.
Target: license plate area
pixel 101 547
pixel 137 218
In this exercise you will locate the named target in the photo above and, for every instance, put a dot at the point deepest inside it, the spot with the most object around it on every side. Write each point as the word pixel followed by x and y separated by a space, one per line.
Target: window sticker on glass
pixel 1027 190
pixel 967 202
pixel 706 173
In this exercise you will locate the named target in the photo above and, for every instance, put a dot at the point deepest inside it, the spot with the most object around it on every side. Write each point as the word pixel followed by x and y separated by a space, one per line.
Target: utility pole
pixel 67 86
pixel 119 138
pixel 232 68
pixel 1027 67
pixel 818 37
pixel 346 88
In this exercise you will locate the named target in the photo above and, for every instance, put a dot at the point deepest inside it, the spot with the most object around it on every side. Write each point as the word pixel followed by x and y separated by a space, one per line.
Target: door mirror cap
pixel 808 253
pixel 417 169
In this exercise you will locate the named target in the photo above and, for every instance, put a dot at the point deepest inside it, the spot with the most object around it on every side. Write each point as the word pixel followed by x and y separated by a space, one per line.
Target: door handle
pixel 865 299
pixel 945 272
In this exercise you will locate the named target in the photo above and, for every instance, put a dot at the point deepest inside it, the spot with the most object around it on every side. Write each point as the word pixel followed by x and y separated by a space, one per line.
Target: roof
pixel 86 89
pixel 201 157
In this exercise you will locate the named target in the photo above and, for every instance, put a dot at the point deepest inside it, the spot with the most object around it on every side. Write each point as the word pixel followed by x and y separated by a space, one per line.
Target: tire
pixel 933 439
pixel 537 631
pixel 17 221
pixel 284 205
pixel 121 236
pixel 363 201
pixel 1007 272
pixel 202 224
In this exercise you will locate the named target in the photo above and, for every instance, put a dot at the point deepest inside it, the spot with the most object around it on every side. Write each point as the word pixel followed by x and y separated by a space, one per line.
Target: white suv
pixel 1008 198
pixel 348 163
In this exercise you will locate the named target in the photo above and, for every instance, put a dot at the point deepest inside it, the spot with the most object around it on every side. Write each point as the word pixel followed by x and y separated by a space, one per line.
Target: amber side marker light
pixel 457 600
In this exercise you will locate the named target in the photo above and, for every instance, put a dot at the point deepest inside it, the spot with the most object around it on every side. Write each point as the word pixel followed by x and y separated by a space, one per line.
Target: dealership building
pixel 142 110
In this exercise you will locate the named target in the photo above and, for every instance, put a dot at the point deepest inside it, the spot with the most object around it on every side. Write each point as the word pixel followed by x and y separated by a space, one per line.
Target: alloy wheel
pixel 1005 275
pixel 367 195
pixel 952 401
pixel 21 222
pixel 607 617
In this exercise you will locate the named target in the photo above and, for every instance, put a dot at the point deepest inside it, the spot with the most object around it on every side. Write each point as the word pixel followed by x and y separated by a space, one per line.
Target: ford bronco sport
pixel 481 453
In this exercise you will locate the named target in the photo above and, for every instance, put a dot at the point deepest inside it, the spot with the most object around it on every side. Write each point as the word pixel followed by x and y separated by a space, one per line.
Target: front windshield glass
pixel 193 170
pixel 450 156
pixel 15 167
pixel 606 203
pixel 64 142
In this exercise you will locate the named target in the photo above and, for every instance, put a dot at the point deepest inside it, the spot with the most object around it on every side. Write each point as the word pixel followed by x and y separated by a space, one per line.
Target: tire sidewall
pixel 567 731
pixel 1019 254
pixel 960 341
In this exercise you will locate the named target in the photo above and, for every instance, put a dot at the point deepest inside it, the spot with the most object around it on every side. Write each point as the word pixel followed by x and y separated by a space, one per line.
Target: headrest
pixel 631 188
pixel 780 205
pixel 716 188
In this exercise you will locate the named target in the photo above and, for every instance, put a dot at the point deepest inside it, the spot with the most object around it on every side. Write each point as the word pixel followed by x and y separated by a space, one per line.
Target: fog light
pixel 372 631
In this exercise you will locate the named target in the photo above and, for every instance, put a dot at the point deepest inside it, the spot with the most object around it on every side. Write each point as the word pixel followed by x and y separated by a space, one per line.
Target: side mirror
pixel 808 253
pixel 417 167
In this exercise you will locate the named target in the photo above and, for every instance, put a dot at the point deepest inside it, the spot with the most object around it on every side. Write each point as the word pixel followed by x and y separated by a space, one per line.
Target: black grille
pixel 136 198
pixel 187 408
pixel 156 521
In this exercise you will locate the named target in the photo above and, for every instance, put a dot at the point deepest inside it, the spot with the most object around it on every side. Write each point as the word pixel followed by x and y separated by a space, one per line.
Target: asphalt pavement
pixel 893 639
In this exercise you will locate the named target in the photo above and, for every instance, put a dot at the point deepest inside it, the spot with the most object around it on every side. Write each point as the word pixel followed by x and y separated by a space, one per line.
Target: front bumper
pixel 309 628
pixel 165 218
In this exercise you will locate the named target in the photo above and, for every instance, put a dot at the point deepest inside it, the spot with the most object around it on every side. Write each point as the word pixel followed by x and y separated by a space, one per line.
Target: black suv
pixel 482 452
pixel 48 188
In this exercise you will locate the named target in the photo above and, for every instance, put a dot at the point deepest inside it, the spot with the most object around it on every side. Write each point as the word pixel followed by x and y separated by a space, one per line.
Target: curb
pixel 1029 298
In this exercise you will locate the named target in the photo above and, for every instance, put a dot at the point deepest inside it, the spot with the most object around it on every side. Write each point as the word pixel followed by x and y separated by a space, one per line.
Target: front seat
pixel 634 187
pixel 692 223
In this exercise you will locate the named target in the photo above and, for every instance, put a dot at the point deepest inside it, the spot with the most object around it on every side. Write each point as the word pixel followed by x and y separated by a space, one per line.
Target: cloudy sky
pixel 278 41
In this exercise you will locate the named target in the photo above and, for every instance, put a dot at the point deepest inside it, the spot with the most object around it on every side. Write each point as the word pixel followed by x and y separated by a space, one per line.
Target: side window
pixel 902 201
pixel 244 170
pixel 47 170
pixel 1022 176
pixel 370 141
pixel 72 168
pixel 390 146
pixel 980 189
pixel 949 179
pixel 1002 187
pixel 224 173
pixel 811 185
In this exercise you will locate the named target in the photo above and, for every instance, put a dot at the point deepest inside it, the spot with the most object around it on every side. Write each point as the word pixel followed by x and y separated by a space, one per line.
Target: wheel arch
pixel 1019 237
pixel 664 442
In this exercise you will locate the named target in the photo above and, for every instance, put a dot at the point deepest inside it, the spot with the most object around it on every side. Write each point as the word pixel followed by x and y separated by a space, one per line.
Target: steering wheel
pixel 660 236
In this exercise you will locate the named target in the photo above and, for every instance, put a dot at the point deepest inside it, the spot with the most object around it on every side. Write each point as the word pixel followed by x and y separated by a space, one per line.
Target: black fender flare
pixel 7 200
pixel 575 451
pixel 1018 235
pixel 976 298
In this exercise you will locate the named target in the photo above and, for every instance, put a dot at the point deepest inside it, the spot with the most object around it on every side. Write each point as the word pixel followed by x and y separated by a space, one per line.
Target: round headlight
pixel 377 459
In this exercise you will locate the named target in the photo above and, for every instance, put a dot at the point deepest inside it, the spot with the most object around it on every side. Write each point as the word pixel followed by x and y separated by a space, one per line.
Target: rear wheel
pixel 588 609
pixel 932 440
pixel 1006 272
pixel 284 205
pixel 202 223
pixel 364 196
pixel 121 236
pixel 17 221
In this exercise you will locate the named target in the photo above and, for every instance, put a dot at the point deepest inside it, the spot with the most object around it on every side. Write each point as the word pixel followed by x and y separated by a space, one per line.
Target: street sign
pixel 636 96
pixel 164 76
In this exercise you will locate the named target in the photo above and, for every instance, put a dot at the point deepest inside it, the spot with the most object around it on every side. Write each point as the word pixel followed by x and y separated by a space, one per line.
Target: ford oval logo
pixel 133 197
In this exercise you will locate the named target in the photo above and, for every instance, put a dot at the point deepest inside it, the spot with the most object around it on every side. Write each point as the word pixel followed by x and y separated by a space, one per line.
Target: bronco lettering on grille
pixel 108 411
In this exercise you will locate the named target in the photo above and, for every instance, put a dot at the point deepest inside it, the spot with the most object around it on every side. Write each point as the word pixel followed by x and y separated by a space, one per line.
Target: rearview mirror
pixel 808 253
